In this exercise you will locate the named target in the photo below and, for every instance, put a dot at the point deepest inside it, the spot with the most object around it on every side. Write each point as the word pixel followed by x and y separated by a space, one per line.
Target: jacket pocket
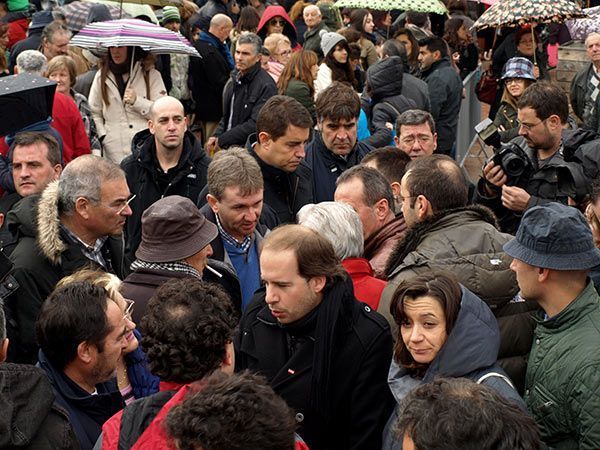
pixel 548 412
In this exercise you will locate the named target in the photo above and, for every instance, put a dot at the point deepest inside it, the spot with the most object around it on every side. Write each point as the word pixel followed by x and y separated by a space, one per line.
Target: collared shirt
pixel 92 253
pixel 244 245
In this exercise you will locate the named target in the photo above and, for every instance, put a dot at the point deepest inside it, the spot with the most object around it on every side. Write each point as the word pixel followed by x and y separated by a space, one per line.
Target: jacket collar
pixel 444 62
pixel 357 267
pixel 392 229
pixel 586 302
pixel 246 78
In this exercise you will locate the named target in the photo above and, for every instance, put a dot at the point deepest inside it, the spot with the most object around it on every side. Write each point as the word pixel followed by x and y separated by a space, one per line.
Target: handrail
pixel 469 116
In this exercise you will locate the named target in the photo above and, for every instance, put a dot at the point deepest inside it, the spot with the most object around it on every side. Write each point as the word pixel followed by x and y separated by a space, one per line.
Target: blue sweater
pixel 247 267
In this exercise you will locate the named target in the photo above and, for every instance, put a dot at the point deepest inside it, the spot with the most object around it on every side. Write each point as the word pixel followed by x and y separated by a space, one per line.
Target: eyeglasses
pixel 529 126
pixel 285 53
pixel 512 80
pixel 403 199
pixel 126 204
pixel 410 140
pixel 276 22
pixel 128 308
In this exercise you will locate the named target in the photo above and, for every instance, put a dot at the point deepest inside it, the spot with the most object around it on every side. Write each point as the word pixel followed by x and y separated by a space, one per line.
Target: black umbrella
pixel 24 100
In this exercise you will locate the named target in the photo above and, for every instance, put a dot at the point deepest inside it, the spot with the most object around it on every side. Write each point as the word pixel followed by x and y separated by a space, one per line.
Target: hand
pixel 211 145
pixel 536 72
pixel 494 174
pixel 515 198
pixel 130 96
pixel 389 126
pixel 456 57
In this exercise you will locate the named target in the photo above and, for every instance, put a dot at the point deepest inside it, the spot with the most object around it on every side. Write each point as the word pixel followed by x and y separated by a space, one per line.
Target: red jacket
pixel 367 288
pixel 66 119
pixel 289 28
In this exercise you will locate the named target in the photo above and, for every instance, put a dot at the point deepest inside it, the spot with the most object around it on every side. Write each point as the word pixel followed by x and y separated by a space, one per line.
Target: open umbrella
pixel 520 12
pixel 76 13
pixel 100 36
pixel 428 6
pixel 580 28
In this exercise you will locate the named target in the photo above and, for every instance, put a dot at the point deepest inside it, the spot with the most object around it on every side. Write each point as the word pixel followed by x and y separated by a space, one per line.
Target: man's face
pixel 246 57
pixel 31 169
pixel 289 296
pixel 593 49
pixel 527 279
pixel 105 365
pixel 339 137
pixel 57 45
pixel 410 214
pixel 168 125
pixel 287 152
pixel 199 261
pixel 222 32
pixel 352 193
pixel 107 218
pixel 173 26
pixel 535 131
pixel 238 214
pixel 427 58
pixel 416 140
pixel 312 17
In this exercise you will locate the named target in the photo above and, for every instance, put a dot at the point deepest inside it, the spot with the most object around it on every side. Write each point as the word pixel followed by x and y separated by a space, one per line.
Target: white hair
pixel 591 36
pixel 338 223
pixel 32 61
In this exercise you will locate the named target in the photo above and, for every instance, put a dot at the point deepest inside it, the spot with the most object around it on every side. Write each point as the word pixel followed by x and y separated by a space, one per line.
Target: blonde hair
pixel 107 281
pixel 274 40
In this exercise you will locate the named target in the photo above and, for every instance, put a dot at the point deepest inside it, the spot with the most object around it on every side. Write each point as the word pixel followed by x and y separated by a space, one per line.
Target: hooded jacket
pixel 87 412
pixel 466 242
pixel 30 418
pixel 469 352
pixel 327 166
pixel 445 94
pixel 387 102
pixel 289 29
pixel 188 180
pixel 41 258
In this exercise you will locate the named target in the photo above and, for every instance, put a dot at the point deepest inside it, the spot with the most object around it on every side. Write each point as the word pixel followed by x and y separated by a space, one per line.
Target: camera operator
pixel 543 111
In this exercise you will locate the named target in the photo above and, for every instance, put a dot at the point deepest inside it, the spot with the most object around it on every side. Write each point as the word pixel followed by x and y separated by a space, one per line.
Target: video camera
pixel 510 156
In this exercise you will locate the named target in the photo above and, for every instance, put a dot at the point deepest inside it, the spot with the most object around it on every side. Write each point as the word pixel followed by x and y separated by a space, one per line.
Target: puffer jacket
pixel 563 375
pixel 467 243
pixel 385 83
pixel 469 352
pixel 31 419
pixel 117 122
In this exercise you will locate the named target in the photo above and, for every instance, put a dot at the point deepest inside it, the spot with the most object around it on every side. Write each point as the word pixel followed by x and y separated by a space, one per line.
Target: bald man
pixel 211 72
pixel 313 20
pixel 166 160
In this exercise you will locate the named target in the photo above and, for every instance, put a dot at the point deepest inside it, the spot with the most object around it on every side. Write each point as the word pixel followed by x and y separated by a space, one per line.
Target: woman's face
pixel 525 45
pixel 463 33
pixel 515 86
pixel 424 329
pixel 314 70
pixel 387 21
pixel 406 41
pixel 284 52
pixel 127 308
pixel 63 80
pixel 275 25
pixel 368 23
pixel 340 54
pixel 118 54
pixel 4 40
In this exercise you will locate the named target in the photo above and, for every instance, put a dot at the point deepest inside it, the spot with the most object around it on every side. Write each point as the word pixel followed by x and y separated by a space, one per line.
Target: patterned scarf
pixel 177 266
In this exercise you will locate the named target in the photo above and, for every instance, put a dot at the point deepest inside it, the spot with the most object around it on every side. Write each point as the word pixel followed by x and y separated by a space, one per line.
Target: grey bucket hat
pixel 554 236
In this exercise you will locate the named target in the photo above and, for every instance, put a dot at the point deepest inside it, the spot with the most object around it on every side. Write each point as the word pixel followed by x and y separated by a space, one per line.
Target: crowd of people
pixel 270 246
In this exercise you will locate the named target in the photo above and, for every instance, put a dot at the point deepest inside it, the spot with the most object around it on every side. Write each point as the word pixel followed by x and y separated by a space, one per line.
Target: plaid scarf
pixel 177 266
pixel 244 245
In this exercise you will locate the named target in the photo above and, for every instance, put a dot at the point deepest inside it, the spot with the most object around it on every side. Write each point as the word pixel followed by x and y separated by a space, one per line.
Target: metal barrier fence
pixel 470 115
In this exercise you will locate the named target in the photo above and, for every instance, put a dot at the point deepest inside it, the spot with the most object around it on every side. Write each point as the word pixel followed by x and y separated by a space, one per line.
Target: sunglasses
pixel 128 308
pixel 279 22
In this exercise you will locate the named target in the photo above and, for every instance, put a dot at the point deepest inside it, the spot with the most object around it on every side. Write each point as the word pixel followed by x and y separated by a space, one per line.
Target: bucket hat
pixel 40 19
pixel 554 236
pixel 518 68
pixel 174 229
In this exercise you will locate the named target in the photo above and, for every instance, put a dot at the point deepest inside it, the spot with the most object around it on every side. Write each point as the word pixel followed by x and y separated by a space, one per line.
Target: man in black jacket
pixel 166 160
pixel 282 130
pixel 245 94
pixel 320 349
pixel 445 90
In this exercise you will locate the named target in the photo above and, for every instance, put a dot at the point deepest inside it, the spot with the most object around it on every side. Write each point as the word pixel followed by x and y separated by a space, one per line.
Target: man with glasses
pixel 415 133
pixel 543 110
pixel 445 233
pixel 76 222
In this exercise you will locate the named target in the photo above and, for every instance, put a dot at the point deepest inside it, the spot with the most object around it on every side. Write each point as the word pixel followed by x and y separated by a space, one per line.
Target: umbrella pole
pixel 121 11
pixel 534 46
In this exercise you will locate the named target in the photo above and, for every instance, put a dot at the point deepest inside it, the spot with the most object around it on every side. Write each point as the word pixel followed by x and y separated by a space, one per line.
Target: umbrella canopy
pixel 580 28
pixel 520 12
pixel 100 36
pixel 428 6
pixel 159 3
pixel 76 14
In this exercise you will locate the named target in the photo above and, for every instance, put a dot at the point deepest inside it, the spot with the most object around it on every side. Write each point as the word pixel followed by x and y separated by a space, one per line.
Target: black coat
pixel 249 92
pixel 360 397
pixel 189 178
pixel 285 193
pixel 327 167
pixel 209 75
pixel 445 94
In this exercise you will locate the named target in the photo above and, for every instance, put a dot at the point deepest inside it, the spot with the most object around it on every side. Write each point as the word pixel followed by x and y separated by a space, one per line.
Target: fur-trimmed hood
pixel 48 224
pixel 440 220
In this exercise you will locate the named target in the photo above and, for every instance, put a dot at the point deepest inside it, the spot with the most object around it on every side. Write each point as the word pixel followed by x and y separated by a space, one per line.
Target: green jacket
pixel 300 91
pixel 562 388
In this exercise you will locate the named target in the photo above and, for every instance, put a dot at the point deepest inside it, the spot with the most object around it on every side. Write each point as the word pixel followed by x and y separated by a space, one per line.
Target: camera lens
pixel 512 165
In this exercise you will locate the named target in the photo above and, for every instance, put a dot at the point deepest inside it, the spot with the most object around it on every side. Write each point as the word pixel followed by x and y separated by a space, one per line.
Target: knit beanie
pixel 17 5
pixel 170 14
pixel 329 40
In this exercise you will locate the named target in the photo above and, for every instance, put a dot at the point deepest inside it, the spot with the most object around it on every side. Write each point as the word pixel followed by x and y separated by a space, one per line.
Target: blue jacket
pixel 327 167
pixel 142 381
pixel 470 351
pixel 87 413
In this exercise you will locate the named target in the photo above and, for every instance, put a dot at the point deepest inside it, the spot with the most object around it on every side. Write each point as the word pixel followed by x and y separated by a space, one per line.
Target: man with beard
pixel 166 160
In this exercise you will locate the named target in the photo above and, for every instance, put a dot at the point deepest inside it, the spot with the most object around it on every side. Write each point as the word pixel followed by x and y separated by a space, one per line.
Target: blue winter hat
pixel 518 68
pixel 554 236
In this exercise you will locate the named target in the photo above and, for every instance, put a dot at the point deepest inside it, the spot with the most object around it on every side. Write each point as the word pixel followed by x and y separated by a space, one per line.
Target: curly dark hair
pixel 186 328
pixel 234 412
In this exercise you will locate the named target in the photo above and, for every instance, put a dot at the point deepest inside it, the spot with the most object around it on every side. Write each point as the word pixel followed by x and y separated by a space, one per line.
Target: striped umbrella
pixel 100 36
